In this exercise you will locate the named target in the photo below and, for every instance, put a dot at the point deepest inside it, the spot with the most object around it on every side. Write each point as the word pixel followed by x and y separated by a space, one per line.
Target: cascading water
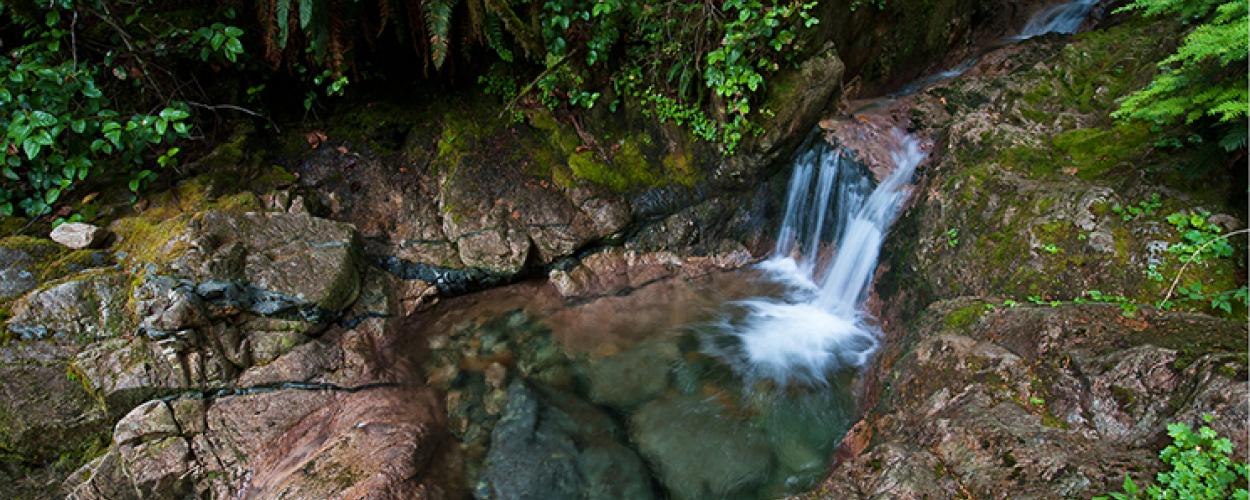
pixel 818 326
pixel 1063 18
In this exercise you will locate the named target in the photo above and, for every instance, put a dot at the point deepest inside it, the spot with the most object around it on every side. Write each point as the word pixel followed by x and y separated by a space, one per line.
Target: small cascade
pixel 1063 18
pixel 818 326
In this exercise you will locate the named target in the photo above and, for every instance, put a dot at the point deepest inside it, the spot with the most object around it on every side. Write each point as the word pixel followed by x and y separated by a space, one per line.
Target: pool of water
pixel 621 396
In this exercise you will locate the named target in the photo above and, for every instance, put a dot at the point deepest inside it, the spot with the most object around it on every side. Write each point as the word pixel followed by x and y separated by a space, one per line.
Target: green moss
pixel 585 166
pixel 72 262
pixel 1095 151
pixel 965 316
pixel 273 177
pixel 240 202
pixel 39 248
pixel 145 240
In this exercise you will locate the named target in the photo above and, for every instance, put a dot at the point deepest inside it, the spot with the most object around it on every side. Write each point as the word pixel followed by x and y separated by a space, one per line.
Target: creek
pixel 735 384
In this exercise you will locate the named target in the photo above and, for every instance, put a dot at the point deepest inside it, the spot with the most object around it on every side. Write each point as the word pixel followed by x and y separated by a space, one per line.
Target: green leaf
pixel 305 13
pixel 42 119
pixel 31 147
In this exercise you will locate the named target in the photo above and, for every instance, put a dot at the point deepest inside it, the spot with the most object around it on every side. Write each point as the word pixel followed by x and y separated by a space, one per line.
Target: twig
pixel 1190 260
pixel 240 109
pixel 73 37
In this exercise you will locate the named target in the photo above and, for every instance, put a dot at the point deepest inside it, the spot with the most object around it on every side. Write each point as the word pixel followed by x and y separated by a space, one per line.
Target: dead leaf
pixel 342 150
pixel 315 138
pixel 1069 170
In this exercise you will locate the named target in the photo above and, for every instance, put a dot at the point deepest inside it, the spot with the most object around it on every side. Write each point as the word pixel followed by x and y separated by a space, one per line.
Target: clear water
pixel 735 385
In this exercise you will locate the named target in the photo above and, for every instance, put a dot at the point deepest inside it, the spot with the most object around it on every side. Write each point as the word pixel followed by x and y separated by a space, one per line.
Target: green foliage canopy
pixel 1206 77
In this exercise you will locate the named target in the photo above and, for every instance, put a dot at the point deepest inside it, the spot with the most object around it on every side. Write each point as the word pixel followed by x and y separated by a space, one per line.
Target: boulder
pixel 79 235
pixel 20 259
pixel 1043 401
pixel 310 259
pixel 698 450
pixel 376 443
pixel 549 445
pixel 45 412
pixel 86 306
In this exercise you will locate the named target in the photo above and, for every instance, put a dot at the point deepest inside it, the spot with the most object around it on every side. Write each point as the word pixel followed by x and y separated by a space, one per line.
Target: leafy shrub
pixel 1200 468
pixel 60 126
pixel 698 64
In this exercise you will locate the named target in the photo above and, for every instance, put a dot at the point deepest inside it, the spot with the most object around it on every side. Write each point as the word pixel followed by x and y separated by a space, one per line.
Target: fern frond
pixel 493 30
pixel 283 16
pixel 437 15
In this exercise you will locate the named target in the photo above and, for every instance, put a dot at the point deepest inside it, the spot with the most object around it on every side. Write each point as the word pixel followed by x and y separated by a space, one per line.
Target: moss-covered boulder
pixel 46 414
pixel 19 263
pixel 1042 401
pixel 1047 197
pixel 85 306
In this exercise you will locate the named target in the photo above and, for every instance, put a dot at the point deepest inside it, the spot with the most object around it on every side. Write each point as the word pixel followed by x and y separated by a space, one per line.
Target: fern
pixel 1205 78
pixel 305 13
pixel 493 29
pixel 437 15
pixel 283 16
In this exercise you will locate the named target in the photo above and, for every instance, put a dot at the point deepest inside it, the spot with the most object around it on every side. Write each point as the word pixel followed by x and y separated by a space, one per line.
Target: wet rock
pixel 20 258
pixel 310 259
pixel 1043 401
pixel 44 413
pixel 679 434
pixel 78 235
pixel 614 270
pixel 87 306
pixel 553 446
pixel 633 377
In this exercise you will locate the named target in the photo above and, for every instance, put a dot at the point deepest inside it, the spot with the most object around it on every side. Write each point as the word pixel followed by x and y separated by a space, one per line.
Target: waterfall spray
pixel 819 327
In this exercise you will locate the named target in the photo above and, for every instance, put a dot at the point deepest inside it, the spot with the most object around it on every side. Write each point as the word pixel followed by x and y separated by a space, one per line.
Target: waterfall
pixel 1062 18
pixel 818 326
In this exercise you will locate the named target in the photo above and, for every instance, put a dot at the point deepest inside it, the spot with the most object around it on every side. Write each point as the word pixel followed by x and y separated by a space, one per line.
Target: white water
pixel 1063 18
pixel 819 327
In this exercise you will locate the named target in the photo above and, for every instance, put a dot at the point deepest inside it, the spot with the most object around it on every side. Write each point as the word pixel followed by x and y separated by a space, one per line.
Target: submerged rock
pixel 549 445
pixel 633 377
pixel 700 450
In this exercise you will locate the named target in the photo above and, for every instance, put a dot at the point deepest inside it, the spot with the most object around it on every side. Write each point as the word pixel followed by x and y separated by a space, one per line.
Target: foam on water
pixel 818 326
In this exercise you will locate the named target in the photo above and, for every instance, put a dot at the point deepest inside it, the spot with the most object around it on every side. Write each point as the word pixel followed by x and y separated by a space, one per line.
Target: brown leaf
pixel 315 138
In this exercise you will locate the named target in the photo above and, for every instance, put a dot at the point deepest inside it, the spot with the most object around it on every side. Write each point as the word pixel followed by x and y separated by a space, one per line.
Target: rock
pixel 44 413
pixel 20 258
pixel 381 443
pixel 78 235
pixel 552 446
pixel 679 434
pixel 1042 401
pixel 633 377
pixel 312 260
pixel 87 306
pixel 615 270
